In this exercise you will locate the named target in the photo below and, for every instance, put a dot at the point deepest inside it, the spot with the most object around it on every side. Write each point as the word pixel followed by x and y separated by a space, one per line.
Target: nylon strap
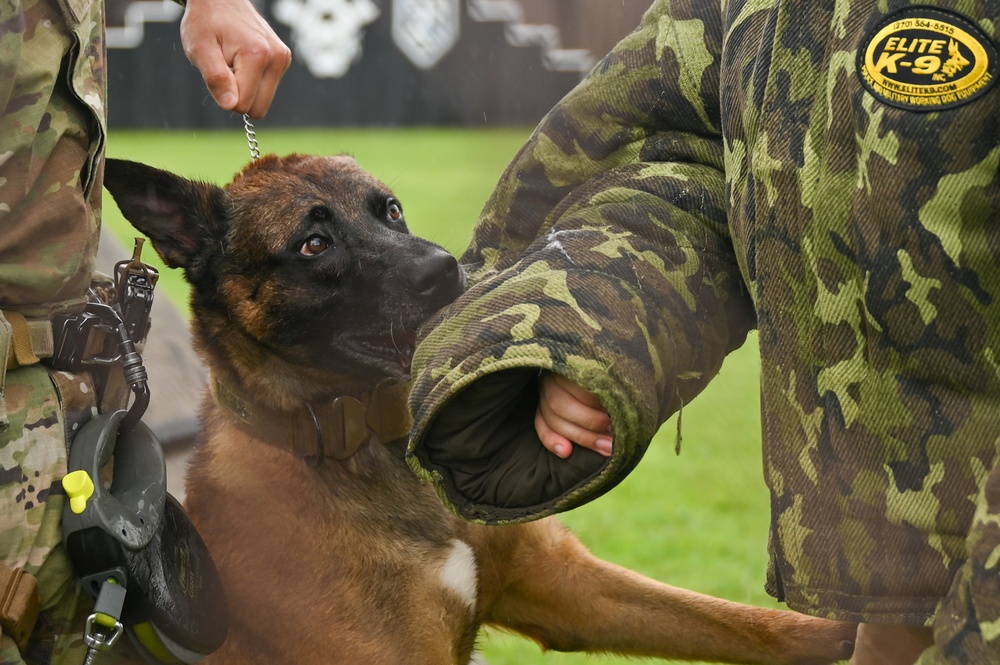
pixel 30 340
pixel 22 342
pixel 335 429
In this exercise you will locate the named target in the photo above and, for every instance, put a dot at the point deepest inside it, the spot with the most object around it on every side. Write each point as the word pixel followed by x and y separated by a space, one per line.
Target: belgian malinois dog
pixel 307 290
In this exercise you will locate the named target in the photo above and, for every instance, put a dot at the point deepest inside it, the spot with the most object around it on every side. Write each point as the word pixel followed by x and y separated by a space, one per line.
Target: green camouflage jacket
pixel 824 171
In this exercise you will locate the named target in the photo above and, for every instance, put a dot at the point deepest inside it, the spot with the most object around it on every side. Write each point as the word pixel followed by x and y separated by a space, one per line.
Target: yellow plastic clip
pixel 79 488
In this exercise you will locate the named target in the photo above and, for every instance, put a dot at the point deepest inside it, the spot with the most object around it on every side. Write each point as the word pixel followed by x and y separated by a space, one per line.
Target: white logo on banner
pixel 326 34
pixel 424 30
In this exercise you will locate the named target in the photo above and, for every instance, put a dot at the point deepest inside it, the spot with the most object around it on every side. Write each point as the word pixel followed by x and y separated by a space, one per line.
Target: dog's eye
pixel 393 211
pixel 314 246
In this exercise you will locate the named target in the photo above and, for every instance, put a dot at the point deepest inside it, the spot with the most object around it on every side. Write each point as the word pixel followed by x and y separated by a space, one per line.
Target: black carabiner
pixel 73 335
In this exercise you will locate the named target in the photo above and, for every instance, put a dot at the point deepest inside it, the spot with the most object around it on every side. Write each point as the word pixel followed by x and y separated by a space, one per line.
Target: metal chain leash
pixel 251 138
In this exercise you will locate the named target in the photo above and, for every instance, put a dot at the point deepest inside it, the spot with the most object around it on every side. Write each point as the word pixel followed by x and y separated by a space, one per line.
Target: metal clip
pixel 104 625
pixel 134 282
pixel 100 637
pixel 75 341
pixel 121 326
pixel 74 348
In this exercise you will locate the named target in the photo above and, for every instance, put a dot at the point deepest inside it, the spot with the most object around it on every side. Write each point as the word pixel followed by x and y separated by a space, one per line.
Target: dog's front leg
pixel 540 580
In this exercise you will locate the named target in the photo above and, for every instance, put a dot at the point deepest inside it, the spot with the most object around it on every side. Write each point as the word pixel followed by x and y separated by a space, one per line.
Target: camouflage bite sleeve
pixel 603 256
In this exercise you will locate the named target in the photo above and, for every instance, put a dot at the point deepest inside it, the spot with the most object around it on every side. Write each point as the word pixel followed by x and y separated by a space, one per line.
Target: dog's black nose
pixel 434 277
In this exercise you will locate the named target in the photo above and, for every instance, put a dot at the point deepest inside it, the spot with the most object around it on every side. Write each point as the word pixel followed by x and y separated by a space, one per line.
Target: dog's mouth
pixel 396 347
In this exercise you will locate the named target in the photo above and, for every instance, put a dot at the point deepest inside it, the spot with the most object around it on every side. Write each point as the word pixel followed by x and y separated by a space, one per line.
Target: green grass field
pixel 696 520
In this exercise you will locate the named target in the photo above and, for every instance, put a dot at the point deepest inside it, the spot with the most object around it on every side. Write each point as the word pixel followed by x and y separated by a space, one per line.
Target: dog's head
pixel 302 270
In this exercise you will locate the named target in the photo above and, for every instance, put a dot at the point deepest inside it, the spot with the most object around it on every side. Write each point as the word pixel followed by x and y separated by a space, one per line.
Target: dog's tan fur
pixel 353 561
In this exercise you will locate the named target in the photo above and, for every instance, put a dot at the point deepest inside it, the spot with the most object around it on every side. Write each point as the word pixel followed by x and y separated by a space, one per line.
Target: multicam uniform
pixel 824 171
pixel 52 134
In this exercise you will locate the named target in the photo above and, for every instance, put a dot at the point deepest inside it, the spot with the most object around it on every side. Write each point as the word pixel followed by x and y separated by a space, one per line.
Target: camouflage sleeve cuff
pixel 474 434
pixel 629 295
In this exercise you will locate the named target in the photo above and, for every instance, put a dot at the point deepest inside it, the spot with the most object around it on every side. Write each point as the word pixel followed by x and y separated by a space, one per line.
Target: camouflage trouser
pixel 52 136
pixel 44 408
pixel 967 625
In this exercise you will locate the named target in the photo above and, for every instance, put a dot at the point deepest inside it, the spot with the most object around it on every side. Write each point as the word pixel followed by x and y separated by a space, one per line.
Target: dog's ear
pixel 180 216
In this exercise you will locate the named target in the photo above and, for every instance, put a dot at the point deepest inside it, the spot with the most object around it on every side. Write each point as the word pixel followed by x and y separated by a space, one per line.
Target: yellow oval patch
pixel 927 59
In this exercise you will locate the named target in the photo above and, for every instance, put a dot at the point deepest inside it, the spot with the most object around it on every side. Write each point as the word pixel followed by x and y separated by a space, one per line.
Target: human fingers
pixel 598 441
pixel 569 401
pixel 574 413
pixel 555 443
